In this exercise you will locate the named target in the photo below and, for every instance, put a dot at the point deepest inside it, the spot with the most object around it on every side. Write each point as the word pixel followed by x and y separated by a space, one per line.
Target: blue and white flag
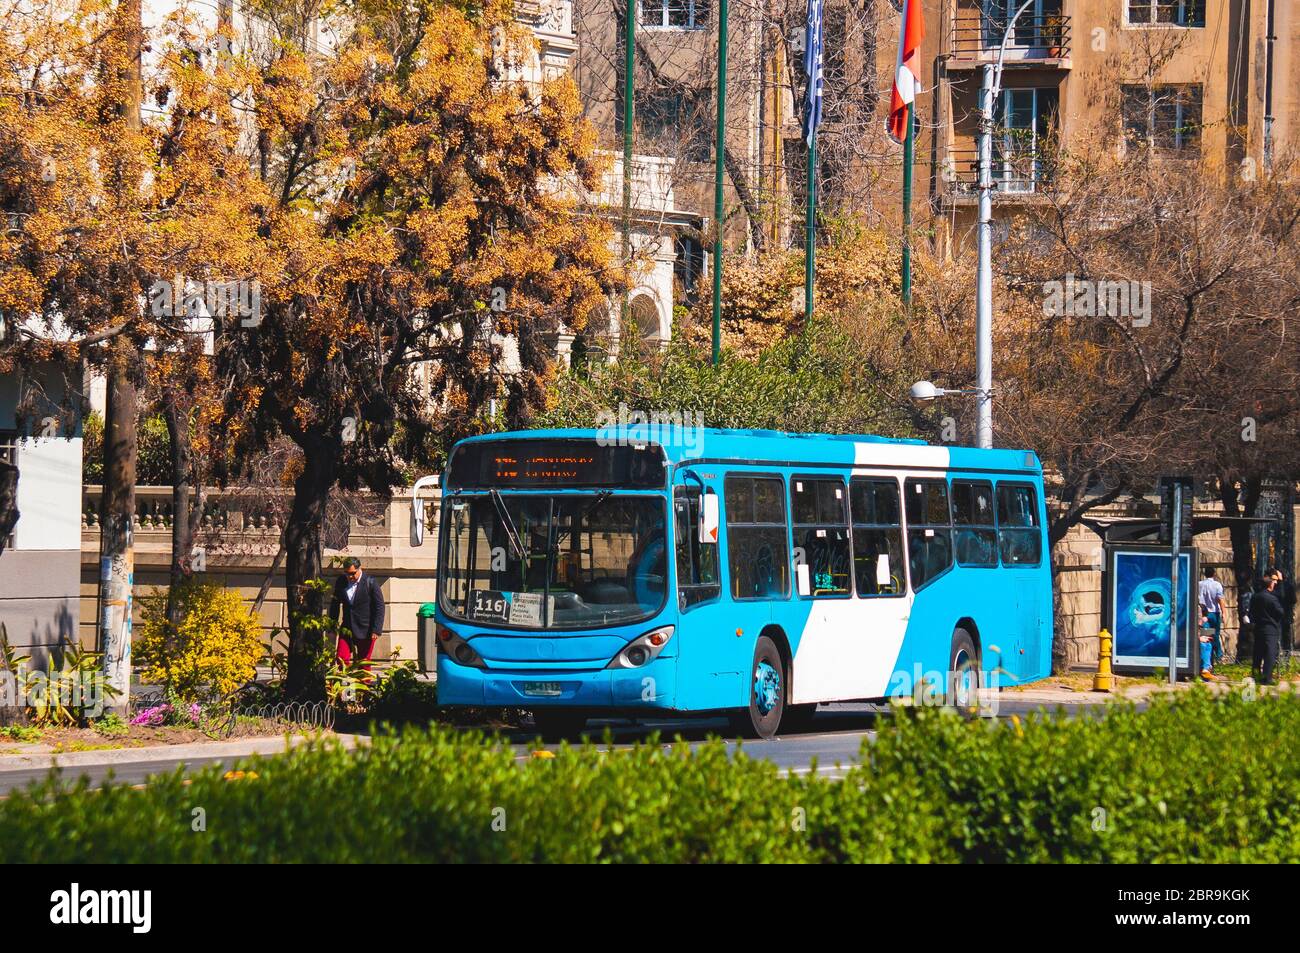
pixel 812 67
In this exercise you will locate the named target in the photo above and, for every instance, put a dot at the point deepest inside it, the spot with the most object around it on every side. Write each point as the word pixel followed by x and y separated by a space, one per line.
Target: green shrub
pixel 813 381
pixel 1202 780
pixel 153 450
pixel 215 647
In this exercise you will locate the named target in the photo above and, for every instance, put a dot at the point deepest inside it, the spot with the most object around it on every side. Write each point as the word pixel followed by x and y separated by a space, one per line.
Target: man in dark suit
pixel 1269 615
pixel 357 595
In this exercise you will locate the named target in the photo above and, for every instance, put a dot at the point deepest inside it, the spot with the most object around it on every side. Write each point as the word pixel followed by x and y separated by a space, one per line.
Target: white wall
pixel 49 494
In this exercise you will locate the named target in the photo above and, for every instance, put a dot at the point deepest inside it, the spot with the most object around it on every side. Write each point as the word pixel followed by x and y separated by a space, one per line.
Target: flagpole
pixel 810 232
pixel 908 146
pixel 812 117
pixel 629 64
pixel 719 150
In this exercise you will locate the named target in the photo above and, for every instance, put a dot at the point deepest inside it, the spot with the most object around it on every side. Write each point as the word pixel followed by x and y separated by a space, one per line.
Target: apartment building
pixel 1216 81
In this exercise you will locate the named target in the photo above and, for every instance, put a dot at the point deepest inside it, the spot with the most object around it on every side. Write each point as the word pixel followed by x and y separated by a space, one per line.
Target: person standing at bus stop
pixel 357 594
pixel 1210 595
pixel 1267 613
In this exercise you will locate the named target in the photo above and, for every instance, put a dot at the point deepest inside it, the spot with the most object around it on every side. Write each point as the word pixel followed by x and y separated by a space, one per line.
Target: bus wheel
pixel 559 724
pixel 964 672
pixel 766 690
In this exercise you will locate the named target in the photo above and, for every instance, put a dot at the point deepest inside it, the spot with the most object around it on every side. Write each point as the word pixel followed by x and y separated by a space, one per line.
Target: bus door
pixel 707 673
pixel 1020 544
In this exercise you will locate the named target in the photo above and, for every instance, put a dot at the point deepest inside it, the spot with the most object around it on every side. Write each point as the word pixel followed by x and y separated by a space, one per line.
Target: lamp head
pixel 924 390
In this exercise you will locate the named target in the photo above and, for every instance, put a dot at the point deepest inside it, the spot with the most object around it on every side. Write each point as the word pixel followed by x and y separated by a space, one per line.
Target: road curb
pixel 277 744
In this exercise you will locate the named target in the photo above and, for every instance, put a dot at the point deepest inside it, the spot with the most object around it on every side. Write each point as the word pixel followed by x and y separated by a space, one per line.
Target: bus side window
pixel 821 537
pixel 1020 538
pixel 877 537
pixel 697 563
pixel 929 530
pixel 975 536
pixel 757 553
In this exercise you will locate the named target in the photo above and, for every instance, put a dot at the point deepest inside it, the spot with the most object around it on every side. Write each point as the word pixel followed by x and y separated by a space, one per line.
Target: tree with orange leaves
pixel 423 225
pixel 104 204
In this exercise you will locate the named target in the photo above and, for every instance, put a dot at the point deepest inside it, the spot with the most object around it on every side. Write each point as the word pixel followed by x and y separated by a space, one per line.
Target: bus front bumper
pixel 652 686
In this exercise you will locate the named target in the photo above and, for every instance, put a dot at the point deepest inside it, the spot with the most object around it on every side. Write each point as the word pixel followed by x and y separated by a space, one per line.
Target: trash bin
pixel 427 630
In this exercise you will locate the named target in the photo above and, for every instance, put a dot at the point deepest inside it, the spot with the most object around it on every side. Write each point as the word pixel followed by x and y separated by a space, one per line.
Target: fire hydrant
pixel 1103 681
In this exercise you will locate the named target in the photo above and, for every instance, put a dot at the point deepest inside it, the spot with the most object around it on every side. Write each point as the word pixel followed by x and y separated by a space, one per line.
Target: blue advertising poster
pixel 1139 599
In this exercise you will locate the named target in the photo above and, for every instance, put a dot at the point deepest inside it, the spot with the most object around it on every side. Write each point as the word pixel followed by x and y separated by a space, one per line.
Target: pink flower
pixel 152 717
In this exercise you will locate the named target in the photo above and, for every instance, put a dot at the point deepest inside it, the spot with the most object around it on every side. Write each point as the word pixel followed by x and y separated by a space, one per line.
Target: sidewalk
pixel 41 756
pixel 1142 691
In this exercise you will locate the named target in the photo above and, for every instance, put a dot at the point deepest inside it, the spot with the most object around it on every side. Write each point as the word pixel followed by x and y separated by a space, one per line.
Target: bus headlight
pixel 452 645
pixel 643 649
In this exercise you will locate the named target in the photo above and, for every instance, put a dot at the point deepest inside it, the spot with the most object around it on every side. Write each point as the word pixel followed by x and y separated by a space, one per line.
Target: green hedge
pixel 1202 779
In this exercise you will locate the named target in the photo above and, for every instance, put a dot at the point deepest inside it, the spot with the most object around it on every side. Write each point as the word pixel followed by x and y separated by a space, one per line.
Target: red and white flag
pixel 907 74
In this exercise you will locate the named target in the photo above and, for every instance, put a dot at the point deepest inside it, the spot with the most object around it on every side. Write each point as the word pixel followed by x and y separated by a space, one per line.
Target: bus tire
pixel 765 689
pixel 963 671
pixel 559 724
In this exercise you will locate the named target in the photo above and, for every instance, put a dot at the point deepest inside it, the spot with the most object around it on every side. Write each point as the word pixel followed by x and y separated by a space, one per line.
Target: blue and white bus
pixel 753 573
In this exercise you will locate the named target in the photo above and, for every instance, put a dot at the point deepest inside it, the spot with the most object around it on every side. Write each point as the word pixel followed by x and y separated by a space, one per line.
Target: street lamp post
pixel 989 89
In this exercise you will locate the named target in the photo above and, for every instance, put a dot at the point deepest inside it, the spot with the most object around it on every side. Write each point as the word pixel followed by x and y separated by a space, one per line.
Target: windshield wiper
pixel 512 534
pixel 601 497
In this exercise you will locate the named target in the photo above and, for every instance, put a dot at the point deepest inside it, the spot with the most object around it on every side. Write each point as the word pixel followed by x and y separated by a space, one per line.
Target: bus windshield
pixel 538 561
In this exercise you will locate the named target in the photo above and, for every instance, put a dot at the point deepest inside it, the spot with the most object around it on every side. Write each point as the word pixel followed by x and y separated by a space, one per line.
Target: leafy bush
pixel 1201 779
pixel 403 696
pixel 153 450
pixel 111 725
pixel 73 690
pixel 214 648
pixel 824 379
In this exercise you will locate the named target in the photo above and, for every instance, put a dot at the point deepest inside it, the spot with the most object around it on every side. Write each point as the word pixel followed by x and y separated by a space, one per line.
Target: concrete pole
pixel 989 89
pixel 984 277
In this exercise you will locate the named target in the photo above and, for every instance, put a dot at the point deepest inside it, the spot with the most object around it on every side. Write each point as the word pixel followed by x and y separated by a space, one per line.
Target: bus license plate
pixel 548 689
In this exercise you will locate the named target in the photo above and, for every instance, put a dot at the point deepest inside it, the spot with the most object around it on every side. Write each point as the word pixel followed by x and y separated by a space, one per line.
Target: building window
pixel 1025 120
pixel 688 270
pixel 1165 118
pixel 675 122
pixel 1189 13
pixel 679 14
pixel 1041 25
pixel 821 537
pixel 643 315
pixel 757 554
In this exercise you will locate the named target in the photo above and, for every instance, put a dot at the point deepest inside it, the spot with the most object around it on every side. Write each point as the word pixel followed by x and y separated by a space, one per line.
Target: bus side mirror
pixel 417 522
pixel 417 509
pixel 709 518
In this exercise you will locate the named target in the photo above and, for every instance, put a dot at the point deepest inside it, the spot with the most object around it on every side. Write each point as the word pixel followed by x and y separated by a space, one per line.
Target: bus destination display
pixel 556 463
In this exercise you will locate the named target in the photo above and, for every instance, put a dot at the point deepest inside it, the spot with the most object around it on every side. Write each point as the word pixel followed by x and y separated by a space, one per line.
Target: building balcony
pixel 1017 174
pixel 1036 41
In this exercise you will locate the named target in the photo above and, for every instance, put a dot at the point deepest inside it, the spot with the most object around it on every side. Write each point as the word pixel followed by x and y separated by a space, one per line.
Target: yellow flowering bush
pixel 216 644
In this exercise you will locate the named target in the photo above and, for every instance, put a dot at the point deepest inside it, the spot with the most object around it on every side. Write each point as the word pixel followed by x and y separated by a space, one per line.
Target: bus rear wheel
pixel 964 672
pixel 766 690
pixel 559 725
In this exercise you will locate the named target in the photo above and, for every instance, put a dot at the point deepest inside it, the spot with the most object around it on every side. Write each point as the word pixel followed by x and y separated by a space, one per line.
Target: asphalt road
pixel 828 746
